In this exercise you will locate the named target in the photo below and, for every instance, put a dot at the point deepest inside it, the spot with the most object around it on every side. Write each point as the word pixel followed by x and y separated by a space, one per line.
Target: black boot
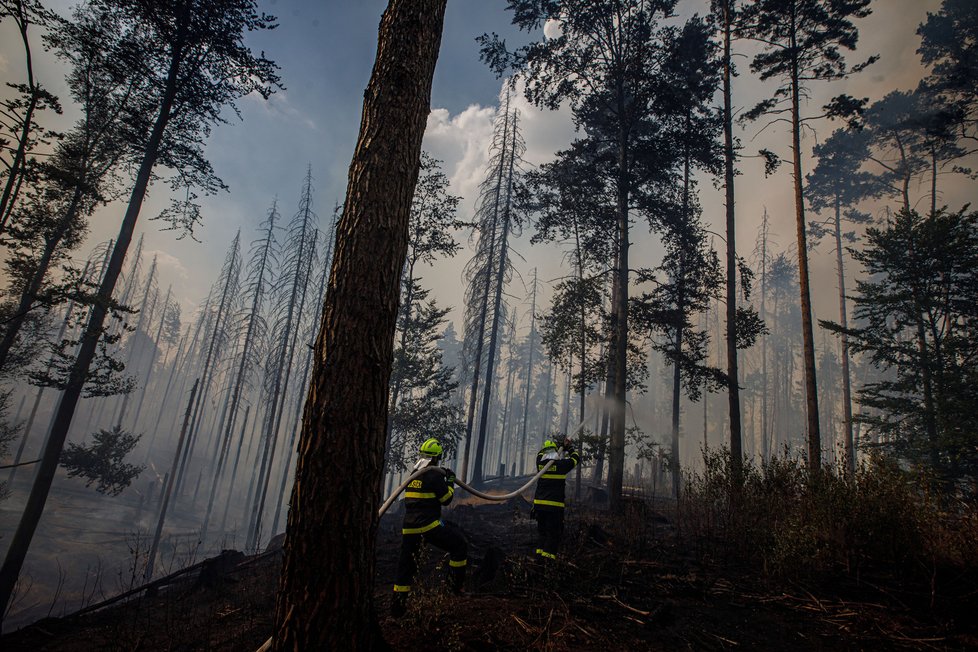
pixel 398 605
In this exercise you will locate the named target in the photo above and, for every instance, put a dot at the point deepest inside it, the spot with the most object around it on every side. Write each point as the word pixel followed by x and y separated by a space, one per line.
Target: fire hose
pixel 267 645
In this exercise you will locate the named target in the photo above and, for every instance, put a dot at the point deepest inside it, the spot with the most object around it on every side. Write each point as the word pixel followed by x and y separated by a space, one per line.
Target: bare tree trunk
pixel 484 310
pixel 850 451
pixel 151 559
pixel 228 294
pixel 325 599
pixel 736 437
pixel 808 334
pixel 143 315
pixel 529 372
pixel 765 439
pixel 616 445
pixel 149 369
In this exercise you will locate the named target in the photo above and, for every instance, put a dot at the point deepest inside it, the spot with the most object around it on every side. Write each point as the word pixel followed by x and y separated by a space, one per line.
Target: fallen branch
pixel 614 598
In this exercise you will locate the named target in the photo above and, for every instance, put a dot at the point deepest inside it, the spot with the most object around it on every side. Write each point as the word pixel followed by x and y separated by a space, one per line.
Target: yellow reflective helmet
pixel 431 448
pixel 549 444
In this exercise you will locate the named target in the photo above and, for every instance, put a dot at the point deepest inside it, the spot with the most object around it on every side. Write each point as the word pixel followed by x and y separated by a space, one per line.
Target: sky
pixel 326 49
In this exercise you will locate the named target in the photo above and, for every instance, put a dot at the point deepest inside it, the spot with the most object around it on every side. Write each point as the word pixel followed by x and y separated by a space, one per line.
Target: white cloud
pixel 552 29
pixel 461 141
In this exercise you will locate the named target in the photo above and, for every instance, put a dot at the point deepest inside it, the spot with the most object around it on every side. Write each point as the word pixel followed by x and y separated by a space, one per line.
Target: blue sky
pixel 326 49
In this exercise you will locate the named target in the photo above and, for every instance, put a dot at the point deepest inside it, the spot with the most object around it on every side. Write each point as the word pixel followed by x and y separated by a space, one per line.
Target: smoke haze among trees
pixel 185 341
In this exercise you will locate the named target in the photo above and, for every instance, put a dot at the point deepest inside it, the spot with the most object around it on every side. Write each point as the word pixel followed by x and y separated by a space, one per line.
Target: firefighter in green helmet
pixel 423 500
pixel 548 501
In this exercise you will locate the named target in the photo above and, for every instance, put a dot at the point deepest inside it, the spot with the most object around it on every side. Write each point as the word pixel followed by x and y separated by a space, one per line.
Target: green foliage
pixel 917 316
pixel 103 461
pixel 949 46
pixel 423 387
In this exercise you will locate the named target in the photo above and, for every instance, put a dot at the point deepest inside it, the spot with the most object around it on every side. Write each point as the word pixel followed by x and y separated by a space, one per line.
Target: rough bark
pixel 325 599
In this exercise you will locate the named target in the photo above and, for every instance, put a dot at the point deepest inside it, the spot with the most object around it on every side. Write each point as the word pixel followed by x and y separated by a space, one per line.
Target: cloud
pixel 461 142
pixel 552 29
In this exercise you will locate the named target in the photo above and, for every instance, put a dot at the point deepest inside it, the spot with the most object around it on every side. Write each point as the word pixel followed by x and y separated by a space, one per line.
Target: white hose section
pixel 471 490
pixel 267 645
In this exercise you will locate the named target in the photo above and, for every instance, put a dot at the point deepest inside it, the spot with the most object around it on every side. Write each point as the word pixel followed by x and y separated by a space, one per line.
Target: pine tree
pixel 606 65
pixel 837 184
pixel 417 367
pixel 18 114
pixel 802 42
pixel 201 67
pixel 917 313
pixel 324 601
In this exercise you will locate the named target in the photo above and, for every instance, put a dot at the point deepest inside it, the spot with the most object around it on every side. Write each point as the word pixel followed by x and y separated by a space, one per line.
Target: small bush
pixel 793 524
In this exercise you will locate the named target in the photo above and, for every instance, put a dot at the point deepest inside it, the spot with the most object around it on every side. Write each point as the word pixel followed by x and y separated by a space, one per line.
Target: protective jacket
pixel 550 486
pixel 423 499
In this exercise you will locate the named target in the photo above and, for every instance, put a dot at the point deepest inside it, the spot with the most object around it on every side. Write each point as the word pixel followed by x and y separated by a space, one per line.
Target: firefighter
pixel 548 502
pixel 423 500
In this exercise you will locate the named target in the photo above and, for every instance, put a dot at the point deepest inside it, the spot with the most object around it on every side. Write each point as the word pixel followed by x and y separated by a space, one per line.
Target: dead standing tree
pixel 253 330
pixel 289 299
pixel 201 67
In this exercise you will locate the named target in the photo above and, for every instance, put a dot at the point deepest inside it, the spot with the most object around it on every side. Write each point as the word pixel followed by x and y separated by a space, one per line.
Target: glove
pixel 568 445
pixel 450 476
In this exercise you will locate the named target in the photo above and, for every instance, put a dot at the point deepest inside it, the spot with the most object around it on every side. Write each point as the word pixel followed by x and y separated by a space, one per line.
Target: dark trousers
pixel 447 537
pixel 550 525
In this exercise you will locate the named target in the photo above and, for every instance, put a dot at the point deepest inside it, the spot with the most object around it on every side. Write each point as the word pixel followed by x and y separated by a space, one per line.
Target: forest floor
pixel 627 582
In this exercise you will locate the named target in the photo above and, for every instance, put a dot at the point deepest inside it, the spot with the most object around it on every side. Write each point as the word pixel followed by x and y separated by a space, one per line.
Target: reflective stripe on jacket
pixel 423 499
pixel 550 486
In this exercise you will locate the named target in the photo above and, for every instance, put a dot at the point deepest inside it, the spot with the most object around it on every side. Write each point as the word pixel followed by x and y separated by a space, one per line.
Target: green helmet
pixel 549 444
pixel 431 448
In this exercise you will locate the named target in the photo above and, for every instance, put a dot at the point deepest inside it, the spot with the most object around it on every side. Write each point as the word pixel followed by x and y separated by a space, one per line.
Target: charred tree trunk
pixel 477 470
pixel 151 559
pixel 529 372
pixel 849 447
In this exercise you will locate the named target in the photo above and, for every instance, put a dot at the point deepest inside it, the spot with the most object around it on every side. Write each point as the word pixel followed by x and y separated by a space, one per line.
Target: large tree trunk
pixel 736 438
pixel 325 599
pixel 811 394
pixel 21 540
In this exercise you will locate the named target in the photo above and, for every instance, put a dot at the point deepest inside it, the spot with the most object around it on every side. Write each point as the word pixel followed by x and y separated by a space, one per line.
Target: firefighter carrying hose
pixel 548 502
pixel 423 499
